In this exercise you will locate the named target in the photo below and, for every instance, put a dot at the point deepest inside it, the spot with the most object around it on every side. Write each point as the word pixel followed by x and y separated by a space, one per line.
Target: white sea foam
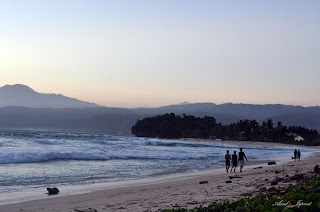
pixel 49 158
pixel 31 157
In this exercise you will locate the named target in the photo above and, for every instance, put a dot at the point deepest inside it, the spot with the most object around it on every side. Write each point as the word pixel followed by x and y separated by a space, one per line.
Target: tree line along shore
pixel 172 126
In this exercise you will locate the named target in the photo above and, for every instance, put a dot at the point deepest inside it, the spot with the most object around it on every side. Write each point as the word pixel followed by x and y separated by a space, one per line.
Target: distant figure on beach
pixel 242 156
pixel 295 154
pixel 234 161
pixel 299 154
pixel 227 157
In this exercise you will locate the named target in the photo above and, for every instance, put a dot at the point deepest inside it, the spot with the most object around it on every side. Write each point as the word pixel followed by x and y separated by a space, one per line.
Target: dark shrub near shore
pixel 173 126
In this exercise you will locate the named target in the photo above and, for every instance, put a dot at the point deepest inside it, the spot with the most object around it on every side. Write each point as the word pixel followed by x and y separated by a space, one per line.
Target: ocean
pixel 31 161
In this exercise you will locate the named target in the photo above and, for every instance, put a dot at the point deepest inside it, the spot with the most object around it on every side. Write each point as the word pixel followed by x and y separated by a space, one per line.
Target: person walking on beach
pixel 295 154
pixel 227 157
pixel 299 154
pixel 242 156
pixel 234 161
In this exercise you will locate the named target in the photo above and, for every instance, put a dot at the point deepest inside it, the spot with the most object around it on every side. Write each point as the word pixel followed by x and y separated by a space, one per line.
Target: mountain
pixel 228 113
pixel 120 120
pixel 22 95
pixel 94 119
pixel 22 107
pixel 184 103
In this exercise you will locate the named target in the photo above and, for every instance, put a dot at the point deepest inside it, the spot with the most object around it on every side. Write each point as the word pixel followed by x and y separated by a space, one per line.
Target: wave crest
pixel 32 157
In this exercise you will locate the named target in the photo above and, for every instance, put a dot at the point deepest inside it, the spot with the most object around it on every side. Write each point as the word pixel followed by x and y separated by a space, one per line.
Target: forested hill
pixel 173 126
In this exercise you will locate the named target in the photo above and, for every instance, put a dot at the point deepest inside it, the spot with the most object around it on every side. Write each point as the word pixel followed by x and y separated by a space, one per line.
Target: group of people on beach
pixel 236 159
pixel 239 159
pixel 297 154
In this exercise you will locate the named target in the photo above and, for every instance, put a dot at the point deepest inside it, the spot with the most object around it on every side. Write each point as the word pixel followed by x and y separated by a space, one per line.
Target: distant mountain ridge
pixel 24 96
pixel 94 119
pixel 227 113
pixel 22 107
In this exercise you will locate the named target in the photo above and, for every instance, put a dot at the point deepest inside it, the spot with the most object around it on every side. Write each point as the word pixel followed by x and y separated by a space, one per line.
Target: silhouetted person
pixel 227 157
pixel 242 156
pixel 295 154
pixel 234 161
pixel 299 154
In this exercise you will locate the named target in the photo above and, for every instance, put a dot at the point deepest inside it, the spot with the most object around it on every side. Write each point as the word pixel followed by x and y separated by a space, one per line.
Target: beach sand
pixel 184 190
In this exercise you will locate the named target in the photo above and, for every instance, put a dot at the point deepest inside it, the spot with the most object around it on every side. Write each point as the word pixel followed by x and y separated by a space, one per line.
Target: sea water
pixel 30 161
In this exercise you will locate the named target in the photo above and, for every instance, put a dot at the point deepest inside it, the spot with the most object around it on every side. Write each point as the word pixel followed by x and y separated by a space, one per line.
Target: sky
pixel 159 52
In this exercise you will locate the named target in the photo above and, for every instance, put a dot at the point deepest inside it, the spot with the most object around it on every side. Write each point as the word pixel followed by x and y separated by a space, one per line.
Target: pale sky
pixel 158 52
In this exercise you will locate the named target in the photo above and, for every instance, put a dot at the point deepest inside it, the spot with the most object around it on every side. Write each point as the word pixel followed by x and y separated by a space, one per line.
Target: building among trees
pixel 298 138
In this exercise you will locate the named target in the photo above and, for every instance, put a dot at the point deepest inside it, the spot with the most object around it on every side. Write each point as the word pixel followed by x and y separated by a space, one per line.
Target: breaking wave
pixel 32 157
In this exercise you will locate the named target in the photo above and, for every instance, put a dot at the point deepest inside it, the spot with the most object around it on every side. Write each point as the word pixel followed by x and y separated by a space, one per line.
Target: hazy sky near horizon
pixel 159 52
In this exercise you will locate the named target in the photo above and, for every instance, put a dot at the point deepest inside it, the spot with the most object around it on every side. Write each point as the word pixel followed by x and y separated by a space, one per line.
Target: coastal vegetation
pixel 173 126
pixel 304 197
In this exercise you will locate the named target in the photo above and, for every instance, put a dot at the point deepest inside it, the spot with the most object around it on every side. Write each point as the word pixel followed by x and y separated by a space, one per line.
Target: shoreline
pixel 168 178
pixel 39 193
pixel 162 192
pixel 254 143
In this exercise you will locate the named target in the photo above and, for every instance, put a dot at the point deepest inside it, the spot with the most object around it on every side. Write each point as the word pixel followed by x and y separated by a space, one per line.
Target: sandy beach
pixel 184 190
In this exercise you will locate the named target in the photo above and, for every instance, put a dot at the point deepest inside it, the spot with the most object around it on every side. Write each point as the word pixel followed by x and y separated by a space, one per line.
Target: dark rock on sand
pixel 273 190
pixel 287 180
pixel 263 189
pixel 297 177
pixel 203 182
pixel 86 210
pixel 260 167
pixel 52 191
pixel 277 172
pixel 231 177
pixel 272 163
pixel 246 194
pixel 275 182
pixel 228 181
pixel 280 179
